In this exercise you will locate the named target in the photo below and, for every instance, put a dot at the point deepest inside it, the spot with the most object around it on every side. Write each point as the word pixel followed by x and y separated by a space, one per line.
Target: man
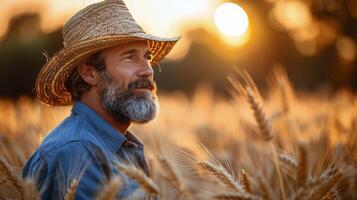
pixel 105 71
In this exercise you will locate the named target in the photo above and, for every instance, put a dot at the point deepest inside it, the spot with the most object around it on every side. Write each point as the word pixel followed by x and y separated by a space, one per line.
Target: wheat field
pixel 278 144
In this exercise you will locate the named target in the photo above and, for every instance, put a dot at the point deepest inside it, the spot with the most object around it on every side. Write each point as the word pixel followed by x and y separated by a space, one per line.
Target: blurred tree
pixel 325 33
pixel 21 55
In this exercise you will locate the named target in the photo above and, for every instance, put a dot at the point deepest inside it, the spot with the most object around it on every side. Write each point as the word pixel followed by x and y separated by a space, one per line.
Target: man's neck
pixel 98 108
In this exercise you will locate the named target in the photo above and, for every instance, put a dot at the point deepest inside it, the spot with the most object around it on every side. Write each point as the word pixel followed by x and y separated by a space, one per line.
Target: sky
pixel 165 18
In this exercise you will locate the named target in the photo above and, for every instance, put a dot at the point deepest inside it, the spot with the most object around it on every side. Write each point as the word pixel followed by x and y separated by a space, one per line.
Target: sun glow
pixel 231 20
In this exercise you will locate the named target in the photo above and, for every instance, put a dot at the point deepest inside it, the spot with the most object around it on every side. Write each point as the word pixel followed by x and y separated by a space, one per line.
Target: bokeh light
pixel 292 14
pixel 231 19
pixel 346 48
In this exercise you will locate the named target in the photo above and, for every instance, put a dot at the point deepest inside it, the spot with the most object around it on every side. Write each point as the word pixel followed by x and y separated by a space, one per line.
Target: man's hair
pixel 75 84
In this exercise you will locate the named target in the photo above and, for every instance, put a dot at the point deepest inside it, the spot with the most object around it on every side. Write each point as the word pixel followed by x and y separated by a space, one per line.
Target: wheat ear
pixel 302 167
pixel 289 160
pixel 328 176
pixel 221 174
pixel 326 185
pixel 266 132
pixel 259 115
pixel 5 169
pixel 138 175
pixel 71 191
pixel 245 181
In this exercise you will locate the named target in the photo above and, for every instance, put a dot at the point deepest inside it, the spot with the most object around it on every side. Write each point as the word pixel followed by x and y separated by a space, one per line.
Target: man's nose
pixel 146 70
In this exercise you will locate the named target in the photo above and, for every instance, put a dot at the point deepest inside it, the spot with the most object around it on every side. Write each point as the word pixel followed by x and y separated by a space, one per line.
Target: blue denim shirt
pixel 85 147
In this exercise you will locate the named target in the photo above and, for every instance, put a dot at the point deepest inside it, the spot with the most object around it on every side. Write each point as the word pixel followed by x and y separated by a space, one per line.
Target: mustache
pixel 143 83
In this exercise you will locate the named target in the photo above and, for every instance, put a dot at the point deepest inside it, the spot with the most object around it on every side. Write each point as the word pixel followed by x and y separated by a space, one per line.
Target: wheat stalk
pixel 138 175
pixel 282 82
pixel 277 167
pixel 30 190
pixel 137 195
pixel 111 189
pixel 174 179
pixel 264 188
pixel 235 196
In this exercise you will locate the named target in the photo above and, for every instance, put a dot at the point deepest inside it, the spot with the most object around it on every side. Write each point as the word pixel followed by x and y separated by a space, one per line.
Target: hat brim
pixel 50 83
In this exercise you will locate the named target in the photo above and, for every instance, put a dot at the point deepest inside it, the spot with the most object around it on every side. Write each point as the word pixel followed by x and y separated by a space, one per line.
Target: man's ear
pixel 88 74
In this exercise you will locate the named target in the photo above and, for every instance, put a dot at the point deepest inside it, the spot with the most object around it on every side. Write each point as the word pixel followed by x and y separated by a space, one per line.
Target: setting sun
pixel 231 19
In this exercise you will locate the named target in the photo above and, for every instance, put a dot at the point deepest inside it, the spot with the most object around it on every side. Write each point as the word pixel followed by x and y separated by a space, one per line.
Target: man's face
pixel 127 90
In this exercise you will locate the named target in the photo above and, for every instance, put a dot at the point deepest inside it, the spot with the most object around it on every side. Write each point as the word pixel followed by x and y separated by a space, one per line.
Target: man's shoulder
pixel 73 132
pixel 67 159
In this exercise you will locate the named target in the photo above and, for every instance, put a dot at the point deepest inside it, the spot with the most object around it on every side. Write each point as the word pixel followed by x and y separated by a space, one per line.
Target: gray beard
pixel 124 105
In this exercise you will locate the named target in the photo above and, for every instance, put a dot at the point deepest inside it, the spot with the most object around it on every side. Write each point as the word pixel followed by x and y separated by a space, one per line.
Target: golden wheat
pixel 293 145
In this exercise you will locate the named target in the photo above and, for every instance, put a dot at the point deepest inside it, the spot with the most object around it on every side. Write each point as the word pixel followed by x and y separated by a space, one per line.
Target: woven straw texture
pixel 94 28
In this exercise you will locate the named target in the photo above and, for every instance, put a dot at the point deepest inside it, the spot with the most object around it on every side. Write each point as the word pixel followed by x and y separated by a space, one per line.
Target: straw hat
pixel 96 27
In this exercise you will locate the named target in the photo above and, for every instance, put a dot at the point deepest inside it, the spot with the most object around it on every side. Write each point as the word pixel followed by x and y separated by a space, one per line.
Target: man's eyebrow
pixel 129 51
pixel 149 52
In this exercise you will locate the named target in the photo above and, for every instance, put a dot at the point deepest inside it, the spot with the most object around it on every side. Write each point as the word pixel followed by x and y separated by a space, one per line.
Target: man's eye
pixel 149 57
pixel 129 57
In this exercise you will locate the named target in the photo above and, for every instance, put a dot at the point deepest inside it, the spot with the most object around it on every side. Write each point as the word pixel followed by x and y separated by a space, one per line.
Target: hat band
pixel 76 42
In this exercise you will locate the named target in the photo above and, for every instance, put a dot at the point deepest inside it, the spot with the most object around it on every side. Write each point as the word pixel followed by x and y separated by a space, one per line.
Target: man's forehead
pixel 136 45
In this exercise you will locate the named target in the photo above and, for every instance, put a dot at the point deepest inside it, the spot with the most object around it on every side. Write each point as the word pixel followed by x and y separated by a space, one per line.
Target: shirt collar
pixel 110 136
pixel 132 141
